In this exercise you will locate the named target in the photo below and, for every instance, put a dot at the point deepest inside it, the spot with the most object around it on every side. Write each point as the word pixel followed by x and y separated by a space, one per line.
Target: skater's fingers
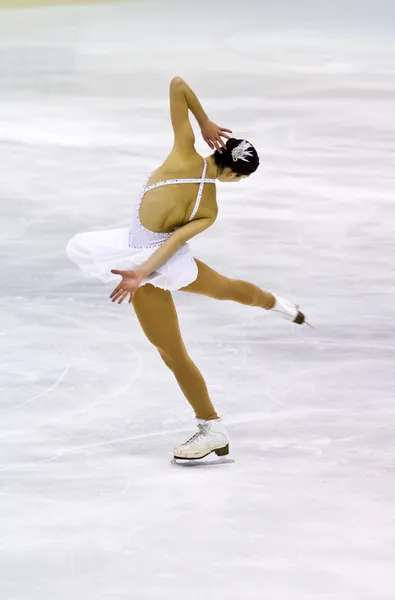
pixel 117 295
pixel 218 147
pixel 124 295
pixel 225 129
pixel 116 290
pixel 225 135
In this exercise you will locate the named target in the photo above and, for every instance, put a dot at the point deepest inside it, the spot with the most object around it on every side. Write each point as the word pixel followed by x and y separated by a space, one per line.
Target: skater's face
pixel 229 176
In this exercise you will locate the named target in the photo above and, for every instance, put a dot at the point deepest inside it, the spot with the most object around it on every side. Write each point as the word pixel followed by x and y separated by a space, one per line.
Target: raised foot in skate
pixel 289 311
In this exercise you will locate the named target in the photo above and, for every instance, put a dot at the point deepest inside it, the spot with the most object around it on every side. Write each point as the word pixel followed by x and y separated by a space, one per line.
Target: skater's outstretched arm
pixel 184 138
pixel 171 245
pixel 183 99
pixel 132 279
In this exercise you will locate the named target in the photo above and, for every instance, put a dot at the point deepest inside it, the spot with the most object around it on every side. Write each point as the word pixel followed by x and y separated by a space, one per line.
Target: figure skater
pixel 153 258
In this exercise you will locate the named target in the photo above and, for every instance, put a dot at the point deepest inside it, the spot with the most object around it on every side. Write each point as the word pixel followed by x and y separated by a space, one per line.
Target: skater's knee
pixel 173 357
pixel 167 359
pixel 230 289
pixel 224 289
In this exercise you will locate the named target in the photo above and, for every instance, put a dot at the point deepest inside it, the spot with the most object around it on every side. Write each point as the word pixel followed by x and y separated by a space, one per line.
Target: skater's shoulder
pixel 179 166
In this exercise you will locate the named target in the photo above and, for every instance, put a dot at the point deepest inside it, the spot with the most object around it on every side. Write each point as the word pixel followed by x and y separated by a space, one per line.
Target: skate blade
pixel 196 463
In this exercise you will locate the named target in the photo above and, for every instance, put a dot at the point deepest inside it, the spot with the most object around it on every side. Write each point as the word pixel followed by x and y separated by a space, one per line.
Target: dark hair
pixel 241 167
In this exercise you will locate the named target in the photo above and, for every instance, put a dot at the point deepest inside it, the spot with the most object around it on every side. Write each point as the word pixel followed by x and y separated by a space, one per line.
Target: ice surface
pixel 90 505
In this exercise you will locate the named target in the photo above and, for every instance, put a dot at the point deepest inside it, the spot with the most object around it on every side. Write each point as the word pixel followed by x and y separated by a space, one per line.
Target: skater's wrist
pixel 142 273
pixel 202 120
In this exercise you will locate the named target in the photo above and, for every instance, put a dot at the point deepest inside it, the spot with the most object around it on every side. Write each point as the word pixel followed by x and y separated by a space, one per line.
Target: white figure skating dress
pixel 97 252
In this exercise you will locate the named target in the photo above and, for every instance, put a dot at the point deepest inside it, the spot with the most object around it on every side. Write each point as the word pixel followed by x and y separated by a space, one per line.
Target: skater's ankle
pixel 272 302
pixel 214 417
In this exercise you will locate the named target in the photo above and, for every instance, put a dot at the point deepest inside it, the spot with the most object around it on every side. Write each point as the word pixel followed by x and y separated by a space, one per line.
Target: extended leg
pixel 157 315
pixel 212 284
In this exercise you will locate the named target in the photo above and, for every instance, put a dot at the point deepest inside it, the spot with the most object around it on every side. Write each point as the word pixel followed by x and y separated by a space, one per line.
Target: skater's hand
pixel 129 284
pixel 213 134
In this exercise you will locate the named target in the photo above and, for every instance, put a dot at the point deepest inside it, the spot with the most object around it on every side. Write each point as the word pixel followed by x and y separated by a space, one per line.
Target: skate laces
pixel 203 430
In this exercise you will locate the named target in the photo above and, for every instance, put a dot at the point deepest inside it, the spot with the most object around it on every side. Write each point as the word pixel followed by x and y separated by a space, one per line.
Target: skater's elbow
pixel 190 230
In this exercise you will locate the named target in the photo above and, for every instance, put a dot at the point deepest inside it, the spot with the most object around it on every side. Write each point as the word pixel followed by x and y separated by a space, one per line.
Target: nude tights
pixel 157 315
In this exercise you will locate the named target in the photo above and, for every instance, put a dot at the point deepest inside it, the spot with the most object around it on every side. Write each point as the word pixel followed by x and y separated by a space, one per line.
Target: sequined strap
pixel 173 181
pixel 200 192
pixel 200 180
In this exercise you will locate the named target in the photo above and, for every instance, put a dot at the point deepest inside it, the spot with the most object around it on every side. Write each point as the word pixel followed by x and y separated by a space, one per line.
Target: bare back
pixel 166 208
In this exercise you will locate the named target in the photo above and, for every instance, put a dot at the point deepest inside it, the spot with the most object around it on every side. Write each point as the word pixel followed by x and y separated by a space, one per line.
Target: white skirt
pixel 97 252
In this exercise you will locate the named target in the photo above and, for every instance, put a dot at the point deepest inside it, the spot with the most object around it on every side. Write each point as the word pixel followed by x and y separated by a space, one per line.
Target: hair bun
pixel 247 160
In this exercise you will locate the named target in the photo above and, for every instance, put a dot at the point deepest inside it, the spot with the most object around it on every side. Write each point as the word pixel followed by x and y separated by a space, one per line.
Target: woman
pixel 153 258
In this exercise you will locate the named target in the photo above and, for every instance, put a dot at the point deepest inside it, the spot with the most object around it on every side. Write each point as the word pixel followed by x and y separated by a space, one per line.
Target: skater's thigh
pixel 157 315
pixel 209 283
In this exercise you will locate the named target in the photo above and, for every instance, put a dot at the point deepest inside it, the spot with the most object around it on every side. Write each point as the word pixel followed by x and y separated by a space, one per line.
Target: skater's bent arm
pixel 175 241
pixel 183 99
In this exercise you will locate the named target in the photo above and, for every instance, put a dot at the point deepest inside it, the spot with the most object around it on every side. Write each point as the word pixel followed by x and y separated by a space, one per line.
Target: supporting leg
pixel 157 315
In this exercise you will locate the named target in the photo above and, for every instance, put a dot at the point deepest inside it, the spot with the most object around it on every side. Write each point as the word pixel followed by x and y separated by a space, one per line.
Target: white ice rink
pixel 90 506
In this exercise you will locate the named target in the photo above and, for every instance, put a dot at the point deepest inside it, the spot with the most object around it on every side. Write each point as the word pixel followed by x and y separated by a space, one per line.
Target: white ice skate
pixel 211 437
pixel 288 310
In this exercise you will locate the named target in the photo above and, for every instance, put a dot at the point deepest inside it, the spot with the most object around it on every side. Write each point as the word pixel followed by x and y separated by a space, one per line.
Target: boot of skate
pixel 210 437
pixel 288 310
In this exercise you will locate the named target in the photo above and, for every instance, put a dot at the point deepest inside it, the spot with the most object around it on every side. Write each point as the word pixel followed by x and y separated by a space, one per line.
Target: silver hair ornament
pixel 241 151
